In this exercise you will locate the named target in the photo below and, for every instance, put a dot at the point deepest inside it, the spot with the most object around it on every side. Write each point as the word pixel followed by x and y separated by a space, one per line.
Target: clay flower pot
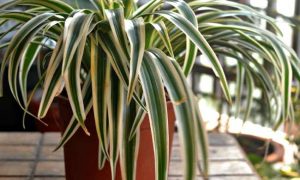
pixel 81 151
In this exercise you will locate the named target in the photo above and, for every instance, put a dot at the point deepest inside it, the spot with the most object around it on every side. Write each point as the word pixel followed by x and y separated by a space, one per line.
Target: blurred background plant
pixel 221 117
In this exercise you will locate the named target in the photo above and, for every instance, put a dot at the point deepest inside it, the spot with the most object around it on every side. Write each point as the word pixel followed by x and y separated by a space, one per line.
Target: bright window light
pixel 230 61
pixel 257 93
pixel 205 61
pixel 206 84
pixel 286 7
pixel 232 88
pixel 287 30
pixel 259 3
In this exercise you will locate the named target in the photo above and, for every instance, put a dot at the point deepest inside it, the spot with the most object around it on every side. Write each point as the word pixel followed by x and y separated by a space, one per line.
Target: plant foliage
pixel 120 59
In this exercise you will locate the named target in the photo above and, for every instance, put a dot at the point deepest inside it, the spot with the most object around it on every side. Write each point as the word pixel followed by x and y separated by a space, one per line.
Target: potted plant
pixel 118 61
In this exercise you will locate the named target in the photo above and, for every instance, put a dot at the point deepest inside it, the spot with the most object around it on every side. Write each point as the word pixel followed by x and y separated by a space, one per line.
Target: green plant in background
pixel 117 57
pixel 268 170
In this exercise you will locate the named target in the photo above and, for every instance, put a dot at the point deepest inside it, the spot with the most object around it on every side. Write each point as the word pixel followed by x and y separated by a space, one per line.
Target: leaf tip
pixel 128 99
pixel 229 100
pixel 57 148
pixel 45 124
pixel 180 101
pixel 131 135
pixel 86 131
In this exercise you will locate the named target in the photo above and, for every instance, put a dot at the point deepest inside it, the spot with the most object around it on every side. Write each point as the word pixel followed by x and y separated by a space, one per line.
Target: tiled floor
pixel 30 156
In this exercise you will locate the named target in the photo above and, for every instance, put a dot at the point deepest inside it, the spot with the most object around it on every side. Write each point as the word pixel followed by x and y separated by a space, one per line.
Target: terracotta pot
pixel 276 150
pixel 81 151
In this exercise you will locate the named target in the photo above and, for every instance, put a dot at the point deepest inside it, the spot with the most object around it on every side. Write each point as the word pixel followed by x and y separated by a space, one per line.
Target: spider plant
pixel 122 59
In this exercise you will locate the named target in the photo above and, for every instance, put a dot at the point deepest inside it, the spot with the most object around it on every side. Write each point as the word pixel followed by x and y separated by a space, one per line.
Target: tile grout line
pixel 37 157
pixel 213 160
pixel 31 160
pixel 219 175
